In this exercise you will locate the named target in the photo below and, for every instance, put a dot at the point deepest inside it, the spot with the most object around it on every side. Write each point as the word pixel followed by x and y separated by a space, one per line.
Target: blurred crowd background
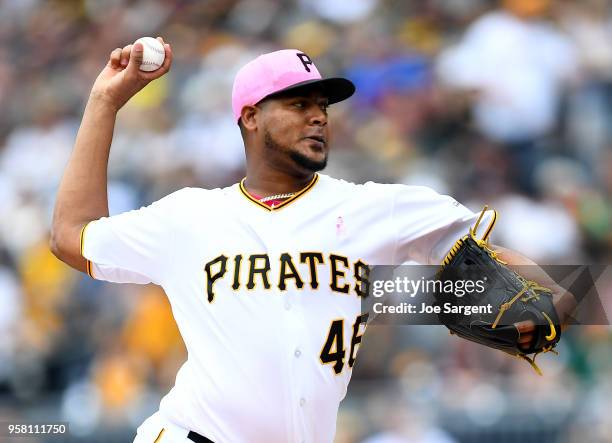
pixel 507 103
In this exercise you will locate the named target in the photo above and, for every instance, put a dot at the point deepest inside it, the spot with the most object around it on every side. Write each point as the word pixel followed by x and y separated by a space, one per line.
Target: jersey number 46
pixel 334 351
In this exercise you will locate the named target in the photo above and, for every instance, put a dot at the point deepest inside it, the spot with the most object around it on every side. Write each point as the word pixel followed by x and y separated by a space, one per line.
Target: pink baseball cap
pixel 282 71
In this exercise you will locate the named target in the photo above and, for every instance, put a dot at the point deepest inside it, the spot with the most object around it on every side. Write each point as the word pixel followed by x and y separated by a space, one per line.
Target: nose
pixel 318 117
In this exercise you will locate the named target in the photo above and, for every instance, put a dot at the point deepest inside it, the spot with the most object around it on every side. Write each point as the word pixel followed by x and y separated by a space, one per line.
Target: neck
pixel 275 182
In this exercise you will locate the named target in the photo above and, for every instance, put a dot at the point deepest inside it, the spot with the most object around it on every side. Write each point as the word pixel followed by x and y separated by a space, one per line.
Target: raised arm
pixel 82 195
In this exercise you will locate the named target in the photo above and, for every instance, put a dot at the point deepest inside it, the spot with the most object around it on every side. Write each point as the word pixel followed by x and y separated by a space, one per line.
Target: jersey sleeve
pixel 133 247
pixel 428 224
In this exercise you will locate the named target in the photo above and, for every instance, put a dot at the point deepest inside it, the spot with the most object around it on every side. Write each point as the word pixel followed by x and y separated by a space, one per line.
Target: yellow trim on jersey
pixel 291 199
pixel 88 266
pixel 159 436
pixel 89 269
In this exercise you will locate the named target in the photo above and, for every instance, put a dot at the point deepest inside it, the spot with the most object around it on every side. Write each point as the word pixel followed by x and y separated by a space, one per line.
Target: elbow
pixel 60 242
pixel 55 242
pixel 54 235
pixel 64 243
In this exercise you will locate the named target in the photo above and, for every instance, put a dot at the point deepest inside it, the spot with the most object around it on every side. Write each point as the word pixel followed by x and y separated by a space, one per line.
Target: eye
pixel 299 105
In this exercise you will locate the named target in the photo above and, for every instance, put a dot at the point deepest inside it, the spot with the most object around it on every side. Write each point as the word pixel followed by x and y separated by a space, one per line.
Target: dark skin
pixel 287 141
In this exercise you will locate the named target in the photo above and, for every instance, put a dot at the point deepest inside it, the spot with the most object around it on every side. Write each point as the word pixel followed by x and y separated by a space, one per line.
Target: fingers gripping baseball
pixel 136 53
pixel 132 57
pixel 122 77
pixel 125 55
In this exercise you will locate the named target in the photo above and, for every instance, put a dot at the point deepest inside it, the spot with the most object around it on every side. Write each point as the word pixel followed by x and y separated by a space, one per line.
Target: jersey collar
pixel 297 195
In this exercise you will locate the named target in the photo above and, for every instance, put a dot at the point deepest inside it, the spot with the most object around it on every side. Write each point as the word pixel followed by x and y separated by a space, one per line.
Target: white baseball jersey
pixel 267 300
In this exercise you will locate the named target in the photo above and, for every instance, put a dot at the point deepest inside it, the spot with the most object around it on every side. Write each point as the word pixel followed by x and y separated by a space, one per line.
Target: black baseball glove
pixel 499 298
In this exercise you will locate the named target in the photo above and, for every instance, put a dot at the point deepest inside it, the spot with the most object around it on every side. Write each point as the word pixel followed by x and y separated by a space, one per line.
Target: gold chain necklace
pixel 277 197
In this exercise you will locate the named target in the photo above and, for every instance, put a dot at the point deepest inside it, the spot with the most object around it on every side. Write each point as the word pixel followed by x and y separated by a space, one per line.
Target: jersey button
pixel 287 306
pixel 302 401
pixel 297 353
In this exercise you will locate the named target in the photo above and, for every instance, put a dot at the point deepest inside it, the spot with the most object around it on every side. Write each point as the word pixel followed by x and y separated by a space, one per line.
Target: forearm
pixel 82 194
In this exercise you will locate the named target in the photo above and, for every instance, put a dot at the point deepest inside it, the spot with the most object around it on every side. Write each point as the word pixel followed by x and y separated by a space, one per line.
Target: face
pixel 294 130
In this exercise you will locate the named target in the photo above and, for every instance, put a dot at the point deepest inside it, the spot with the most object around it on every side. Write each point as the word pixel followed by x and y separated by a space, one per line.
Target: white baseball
pixel 153 55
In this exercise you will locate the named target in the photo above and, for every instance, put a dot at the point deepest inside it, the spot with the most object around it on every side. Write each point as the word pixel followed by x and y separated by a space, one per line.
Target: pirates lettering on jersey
pixel 288 271
pixel 313 259
pixel 255 269
pixel 213 275
pixel 341 269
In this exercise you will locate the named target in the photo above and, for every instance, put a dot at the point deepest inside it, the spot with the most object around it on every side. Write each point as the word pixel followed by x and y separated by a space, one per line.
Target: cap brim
pixel 336 89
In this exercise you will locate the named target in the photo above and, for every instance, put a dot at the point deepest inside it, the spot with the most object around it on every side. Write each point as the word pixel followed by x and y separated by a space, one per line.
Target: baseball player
pixel 264 277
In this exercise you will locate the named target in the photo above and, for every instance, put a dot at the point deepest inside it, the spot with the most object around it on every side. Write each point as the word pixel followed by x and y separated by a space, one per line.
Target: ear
pixel 249 117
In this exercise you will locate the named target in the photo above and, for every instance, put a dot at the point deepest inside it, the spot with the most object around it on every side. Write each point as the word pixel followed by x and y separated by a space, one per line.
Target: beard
pixel 299 158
